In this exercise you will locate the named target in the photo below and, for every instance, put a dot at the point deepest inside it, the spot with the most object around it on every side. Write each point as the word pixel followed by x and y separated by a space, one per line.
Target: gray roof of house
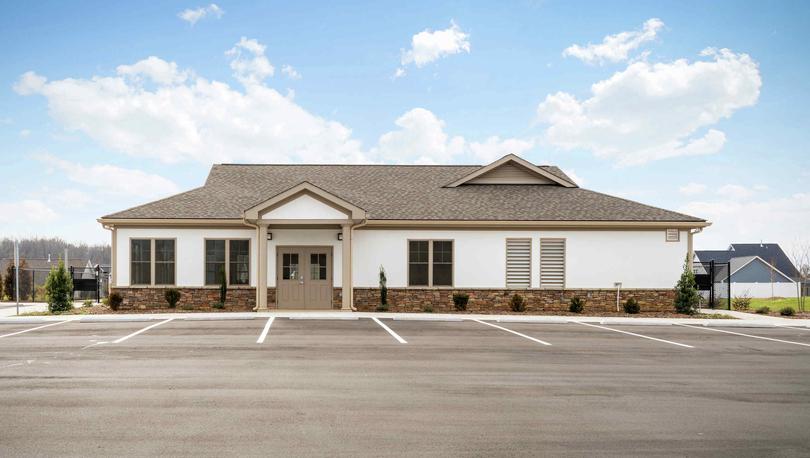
pixel 399 192
pixel 769 252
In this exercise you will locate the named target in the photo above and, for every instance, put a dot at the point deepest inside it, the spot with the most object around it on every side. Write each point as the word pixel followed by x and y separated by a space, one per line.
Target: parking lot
pixel 363 386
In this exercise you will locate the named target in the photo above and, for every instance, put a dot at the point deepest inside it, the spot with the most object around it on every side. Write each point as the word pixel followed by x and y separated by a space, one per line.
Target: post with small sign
pixel 618 286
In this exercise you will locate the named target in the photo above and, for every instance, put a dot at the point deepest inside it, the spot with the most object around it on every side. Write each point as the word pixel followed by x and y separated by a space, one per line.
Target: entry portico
pixel 304 258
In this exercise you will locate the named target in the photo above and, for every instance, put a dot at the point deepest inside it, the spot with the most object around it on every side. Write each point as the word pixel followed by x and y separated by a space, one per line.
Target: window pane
pixel 164 262
pixel 140 262
pixel 289 266
pixel 317 266
pixel 418 274
pixel 418 251
pixel 418 263
pixel 214 261
pixel 442 263
pixel 240 262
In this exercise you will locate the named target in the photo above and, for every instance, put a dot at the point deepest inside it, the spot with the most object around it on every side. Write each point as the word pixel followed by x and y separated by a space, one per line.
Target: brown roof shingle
pixel 399 192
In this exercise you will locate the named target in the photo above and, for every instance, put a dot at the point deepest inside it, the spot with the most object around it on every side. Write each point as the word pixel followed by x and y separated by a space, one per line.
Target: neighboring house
pixel 316 236
pixel 757 269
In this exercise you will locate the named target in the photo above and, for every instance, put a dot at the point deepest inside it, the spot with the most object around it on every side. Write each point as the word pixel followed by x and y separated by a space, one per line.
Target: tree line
pixel 40 248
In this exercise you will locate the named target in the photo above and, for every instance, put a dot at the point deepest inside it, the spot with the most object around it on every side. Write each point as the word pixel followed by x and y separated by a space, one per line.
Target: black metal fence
pixel 714 283
pixel 88 283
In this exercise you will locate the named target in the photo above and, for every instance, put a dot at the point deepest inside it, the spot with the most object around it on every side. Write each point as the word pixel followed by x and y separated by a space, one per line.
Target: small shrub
pixel 382 308
pixel 223 285
pixel 172 297
pixel 460 301
pixel 787 311
pixel 115 300
pixel 764 310
pixel 218 305
pixel 105 300
pixel 687 299
pixel 741 303
pixel 87 303
pixel 631 306
pixel 577 305
pixel 427 309
pixel 383 291
pixel 517 303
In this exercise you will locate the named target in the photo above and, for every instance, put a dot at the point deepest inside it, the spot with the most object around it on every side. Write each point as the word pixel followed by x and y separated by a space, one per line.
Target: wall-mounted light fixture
pixel 340 235
pixel 269 236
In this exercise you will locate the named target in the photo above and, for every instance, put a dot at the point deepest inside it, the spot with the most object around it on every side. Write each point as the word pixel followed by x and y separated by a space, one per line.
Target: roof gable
pixel 511 169
pixel 753 269
pixel 304 199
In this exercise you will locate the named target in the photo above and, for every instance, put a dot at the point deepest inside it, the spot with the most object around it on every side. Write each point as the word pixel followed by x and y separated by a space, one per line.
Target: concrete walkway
pixel 7 315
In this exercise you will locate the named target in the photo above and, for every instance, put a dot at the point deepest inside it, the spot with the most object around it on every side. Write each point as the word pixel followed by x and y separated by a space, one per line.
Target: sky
pixel 698 107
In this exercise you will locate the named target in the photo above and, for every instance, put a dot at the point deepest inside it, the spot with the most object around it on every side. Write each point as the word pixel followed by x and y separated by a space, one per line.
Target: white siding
pixel 189 251
pixel 305 207
pixel 594 258
pixel 762 289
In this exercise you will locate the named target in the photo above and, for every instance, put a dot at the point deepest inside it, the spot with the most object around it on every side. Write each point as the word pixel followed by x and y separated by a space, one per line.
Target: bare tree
pixel 800 256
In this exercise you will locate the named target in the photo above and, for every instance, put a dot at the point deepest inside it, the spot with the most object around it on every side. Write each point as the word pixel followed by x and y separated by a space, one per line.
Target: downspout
pixel 351 232
pixel 258 258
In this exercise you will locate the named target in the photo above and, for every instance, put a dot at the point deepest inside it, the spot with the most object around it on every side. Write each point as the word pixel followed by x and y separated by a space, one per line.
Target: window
pixel 214 261
pixel 442 263
pixel 151 261
pixel 673 235
pixel 518 263
pixel 430 263
pixel 317 266
pixel 289 266
pixel 552 263
pixel 164 262
pixel 140 262
pixel 240 262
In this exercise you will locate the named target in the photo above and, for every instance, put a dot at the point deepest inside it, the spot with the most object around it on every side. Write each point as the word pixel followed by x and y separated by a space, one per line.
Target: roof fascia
pixel 516 160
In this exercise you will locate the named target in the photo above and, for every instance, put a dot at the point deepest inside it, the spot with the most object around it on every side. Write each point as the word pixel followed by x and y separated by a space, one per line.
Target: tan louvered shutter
pixel 552 263
pixel 518 263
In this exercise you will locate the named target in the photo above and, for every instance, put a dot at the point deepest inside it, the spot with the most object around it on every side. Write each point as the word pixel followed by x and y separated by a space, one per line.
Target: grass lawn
pixel 777 303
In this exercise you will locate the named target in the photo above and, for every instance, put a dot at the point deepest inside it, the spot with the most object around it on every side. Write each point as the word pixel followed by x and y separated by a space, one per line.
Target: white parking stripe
pixel 265 330
pixel 744 335
pixel 634 334
pixel 793 327
pixel 513 332
pixel 390 331
pixel 142 330
pixel 33 329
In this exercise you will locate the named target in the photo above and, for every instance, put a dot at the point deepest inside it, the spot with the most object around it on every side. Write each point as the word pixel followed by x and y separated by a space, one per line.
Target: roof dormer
pixel 512 169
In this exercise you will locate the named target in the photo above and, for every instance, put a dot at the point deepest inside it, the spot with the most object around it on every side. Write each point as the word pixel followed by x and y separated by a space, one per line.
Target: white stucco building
pixel 316 236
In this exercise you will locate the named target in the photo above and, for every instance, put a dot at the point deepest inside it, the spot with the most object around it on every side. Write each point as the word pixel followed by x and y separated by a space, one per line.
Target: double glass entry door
pixel 304 277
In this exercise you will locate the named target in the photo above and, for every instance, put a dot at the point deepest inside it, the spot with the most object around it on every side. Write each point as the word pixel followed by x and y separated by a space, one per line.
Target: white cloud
pixel 494 148
pixel 399 73
pixel 572 174
pixel 428 46
pixel 654 111
pixel 155 69
pixel 421 139
pixel 782 220
pixel 27 211
pixel 290 72
pixel 195 119
pixel 113 179
pixel 692 189
pixel 193 15
pixel 249 64
pixel 25 133
pixel 734 191
pixel 616 48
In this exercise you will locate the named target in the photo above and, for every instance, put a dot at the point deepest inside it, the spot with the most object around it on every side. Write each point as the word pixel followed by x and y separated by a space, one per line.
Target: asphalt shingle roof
pixel 397 192
pixel 769 252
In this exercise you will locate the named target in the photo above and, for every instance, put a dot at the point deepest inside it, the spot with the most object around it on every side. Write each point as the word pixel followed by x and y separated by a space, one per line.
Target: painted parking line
pixel 744 335
pixel 390 331
pixel 793 327
pixel 33 329
pixel 266 329
pixel 634 334
pixel 141 330
pixel 514 332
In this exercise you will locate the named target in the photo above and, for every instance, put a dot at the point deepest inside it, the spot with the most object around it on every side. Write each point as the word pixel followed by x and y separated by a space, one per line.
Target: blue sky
pixel 692 106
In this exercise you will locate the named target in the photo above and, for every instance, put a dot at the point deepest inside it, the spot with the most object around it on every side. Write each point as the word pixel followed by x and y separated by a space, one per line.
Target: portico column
pixel 346 256
pixel 261 283
pixel 690 253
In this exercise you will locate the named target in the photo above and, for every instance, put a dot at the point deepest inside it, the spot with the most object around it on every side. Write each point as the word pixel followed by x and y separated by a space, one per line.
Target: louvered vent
pixel 518 263
pixel 552 263
pixel 673 235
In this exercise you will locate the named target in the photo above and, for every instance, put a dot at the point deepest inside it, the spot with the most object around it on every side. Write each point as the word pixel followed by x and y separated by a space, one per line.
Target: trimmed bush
pixel 764 310
pixel 427 309
pixel 577 305
pixel 223 286
pixel 787 311
pixel 218 305
pixel 58 289
pixel 115 300
pixel 460 301
pixel 741 303
pixel 87 303
pixel 517 303
pixel 631 306
pixel 172 297
pixel 687 299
